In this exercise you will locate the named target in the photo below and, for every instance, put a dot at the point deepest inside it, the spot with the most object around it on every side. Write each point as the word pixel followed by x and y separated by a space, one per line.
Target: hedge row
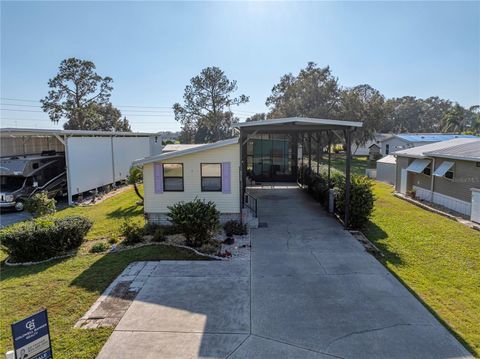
pixel 361 193
pixel 44 237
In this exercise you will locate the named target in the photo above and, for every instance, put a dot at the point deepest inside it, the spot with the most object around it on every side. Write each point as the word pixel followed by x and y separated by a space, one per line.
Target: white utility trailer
pixel 93 158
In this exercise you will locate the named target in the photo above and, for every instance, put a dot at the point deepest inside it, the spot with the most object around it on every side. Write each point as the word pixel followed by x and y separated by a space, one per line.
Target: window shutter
pixel 158 173
pixel 226 178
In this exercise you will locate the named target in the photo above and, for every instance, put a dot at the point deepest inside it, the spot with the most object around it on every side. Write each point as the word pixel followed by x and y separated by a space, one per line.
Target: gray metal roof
pixel 469 151
pixel 50 132
pixel 301 121
pixel 427 150
pixel 188 151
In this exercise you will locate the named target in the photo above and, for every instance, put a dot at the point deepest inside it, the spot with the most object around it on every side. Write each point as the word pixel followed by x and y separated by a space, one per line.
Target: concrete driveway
pixel 309 291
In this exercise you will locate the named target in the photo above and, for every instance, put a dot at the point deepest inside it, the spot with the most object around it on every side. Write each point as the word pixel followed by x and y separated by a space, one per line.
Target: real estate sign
pixel 31 337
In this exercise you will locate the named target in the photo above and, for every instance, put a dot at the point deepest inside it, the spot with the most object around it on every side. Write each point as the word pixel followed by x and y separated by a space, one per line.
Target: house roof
pixel 469 151
pixel 187 151
pixel 427 150
pixel 50 132
pixel 430 137
pixel 300 121
pixel 179 147
pixel 374 144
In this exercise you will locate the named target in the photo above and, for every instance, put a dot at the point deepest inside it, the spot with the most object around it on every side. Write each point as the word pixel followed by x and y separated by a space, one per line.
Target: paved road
pixel 310 291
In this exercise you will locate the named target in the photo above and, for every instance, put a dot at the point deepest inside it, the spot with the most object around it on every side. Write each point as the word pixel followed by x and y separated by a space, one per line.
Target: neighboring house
pixel 445 173
pixel 209 172
pixel 364 150
pixel 403 141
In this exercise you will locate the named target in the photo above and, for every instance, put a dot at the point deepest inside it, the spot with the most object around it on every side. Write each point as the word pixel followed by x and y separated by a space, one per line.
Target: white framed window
pixel 173 177
pixel 211 177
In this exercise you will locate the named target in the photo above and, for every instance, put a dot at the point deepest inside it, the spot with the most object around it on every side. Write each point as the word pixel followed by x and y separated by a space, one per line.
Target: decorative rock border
pixel 12 264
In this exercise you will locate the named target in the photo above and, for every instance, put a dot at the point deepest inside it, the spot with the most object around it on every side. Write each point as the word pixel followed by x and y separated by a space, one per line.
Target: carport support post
pixel 348 139
pixel 310 152
pixel 329 134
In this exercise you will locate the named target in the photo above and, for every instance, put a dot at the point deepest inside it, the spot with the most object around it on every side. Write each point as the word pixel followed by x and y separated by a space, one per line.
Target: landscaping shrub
pixel 196 220
pixel 159 235
pixel 361 200
pixel 167 230
pixel 235 228
pixel 40 205
pixel 132 232
pixel 99 247
pixel 44 237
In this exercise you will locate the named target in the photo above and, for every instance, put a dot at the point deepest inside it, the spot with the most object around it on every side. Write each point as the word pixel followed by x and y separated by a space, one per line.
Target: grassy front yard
pixel 67 288
pixel 108 215
pixel 439 259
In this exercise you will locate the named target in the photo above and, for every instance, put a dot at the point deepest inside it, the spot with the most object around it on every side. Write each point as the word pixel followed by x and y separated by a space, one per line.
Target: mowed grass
pixel 108 215
pixel 67 288
pixel 359 163
pixel 437 258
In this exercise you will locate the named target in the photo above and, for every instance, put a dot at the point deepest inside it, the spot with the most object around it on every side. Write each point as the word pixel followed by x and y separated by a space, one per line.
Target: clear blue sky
pixel 151 50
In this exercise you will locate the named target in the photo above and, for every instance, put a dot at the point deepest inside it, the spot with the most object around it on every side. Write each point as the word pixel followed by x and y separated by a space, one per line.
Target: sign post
pixel 31 337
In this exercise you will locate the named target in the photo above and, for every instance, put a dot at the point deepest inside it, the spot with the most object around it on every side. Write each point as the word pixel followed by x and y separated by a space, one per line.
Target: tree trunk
pixel 137 191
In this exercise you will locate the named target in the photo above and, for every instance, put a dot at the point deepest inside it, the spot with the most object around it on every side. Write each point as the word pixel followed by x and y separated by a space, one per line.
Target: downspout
pixel 432 182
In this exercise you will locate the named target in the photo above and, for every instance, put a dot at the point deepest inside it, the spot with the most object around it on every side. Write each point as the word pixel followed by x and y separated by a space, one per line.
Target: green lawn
pixel 439 259
pixel 67 288
pixel 108 215
pixel 359 164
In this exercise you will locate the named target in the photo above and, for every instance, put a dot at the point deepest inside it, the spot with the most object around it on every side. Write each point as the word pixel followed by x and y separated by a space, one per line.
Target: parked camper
pixel 21 177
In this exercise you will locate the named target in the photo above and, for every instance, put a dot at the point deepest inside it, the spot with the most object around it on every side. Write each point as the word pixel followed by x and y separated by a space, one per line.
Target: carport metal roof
pixel 52 132
pixel 299 126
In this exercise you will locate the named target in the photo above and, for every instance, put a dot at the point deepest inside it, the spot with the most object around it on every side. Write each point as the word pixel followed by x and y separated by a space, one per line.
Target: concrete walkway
pixel 309 291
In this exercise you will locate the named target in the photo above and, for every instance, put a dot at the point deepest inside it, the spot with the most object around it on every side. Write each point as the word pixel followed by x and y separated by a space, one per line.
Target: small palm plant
pixel 136 176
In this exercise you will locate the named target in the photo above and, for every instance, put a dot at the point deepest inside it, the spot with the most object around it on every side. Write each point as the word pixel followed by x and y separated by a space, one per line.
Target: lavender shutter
pixel 158 173
pixel 226 178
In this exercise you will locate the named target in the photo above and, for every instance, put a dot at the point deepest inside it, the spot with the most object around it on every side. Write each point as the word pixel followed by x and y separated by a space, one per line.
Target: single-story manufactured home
pixel 266 151
pixel 403 141
pixel 446 173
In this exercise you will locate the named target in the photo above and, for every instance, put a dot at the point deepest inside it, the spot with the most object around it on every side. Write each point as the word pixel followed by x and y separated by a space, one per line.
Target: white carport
pixel 93 158
pixel 386 168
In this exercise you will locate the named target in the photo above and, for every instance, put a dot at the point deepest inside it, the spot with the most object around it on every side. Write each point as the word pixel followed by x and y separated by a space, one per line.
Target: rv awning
pixel 418 165
pixel 443 168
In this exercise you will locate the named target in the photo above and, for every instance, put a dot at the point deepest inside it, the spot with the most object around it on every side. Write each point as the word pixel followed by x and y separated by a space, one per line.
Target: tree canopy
pixel 205 114
pixel 316 92
pixel 82 96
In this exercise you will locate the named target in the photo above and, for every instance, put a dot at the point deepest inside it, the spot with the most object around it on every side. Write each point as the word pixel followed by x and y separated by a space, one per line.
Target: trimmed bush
pixel 196 220
pixel 235 228
pixel 40 205
pixel 132 233
pixel 44 237
pixel 361 200
pixel 99 247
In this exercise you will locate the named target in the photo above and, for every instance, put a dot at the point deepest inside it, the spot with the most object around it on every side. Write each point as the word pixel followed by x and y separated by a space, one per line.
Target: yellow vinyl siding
pixel 226 202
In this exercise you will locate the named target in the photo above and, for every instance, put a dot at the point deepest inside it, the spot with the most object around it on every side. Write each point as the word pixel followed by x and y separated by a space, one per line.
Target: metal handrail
pixel 251 202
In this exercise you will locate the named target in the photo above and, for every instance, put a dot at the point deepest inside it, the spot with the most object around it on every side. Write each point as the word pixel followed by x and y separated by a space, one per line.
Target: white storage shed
pixel 386 168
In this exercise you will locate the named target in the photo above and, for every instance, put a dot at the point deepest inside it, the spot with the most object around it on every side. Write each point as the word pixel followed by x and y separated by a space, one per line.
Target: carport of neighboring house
pixel 107 154
pixel 274 150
